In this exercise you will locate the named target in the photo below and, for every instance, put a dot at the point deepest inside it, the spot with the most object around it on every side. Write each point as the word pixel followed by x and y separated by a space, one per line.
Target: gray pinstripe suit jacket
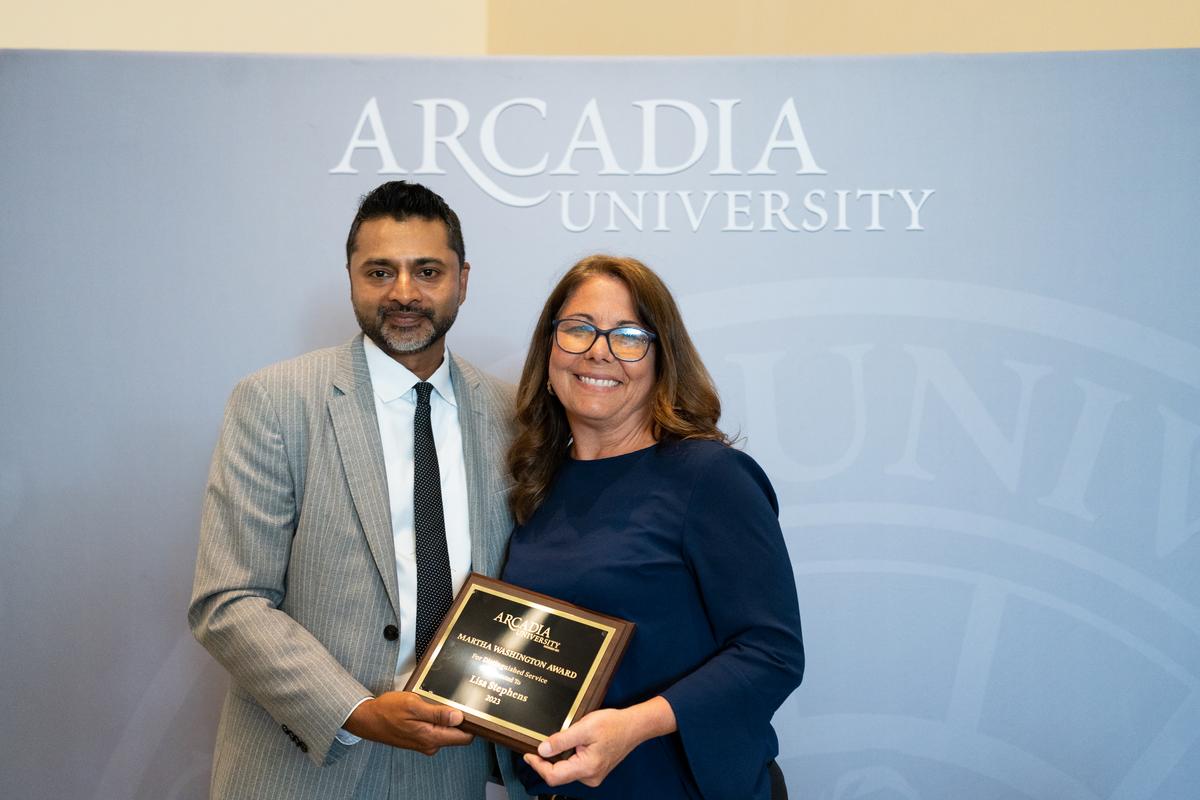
pixel 296 578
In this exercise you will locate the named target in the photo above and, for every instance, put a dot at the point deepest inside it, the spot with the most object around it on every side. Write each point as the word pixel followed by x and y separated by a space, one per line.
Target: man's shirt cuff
pixel 346 737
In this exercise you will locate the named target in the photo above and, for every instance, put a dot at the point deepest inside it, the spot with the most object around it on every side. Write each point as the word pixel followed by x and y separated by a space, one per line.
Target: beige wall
pixel 587 27
pixel 794 27
pixel 453 27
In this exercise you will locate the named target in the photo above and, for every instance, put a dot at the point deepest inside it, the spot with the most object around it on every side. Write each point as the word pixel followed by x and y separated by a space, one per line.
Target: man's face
pixel 406 286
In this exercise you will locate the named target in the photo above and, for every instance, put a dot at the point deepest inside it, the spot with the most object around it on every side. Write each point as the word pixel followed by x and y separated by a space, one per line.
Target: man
pixel 326 555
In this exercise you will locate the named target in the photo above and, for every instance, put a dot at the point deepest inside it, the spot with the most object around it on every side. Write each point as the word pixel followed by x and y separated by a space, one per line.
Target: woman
pixel 629 501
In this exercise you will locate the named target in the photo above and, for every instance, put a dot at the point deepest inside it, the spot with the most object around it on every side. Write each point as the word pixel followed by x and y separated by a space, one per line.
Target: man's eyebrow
pixel 384 261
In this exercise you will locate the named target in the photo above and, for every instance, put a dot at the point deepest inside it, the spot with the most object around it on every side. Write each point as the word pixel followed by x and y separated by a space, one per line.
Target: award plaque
pixel 520 665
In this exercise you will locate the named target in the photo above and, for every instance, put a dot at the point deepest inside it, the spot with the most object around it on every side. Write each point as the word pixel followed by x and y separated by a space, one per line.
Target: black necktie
pixel 429 525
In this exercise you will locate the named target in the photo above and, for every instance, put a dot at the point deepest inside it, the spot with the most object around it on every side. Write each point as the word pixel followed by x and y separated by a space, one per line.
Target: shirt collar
pixel 392 380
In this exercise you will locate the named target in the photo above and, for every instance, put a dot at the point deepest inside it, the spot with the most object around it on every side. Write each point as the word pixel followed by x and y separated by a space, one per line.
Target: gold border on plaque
pixel 609 632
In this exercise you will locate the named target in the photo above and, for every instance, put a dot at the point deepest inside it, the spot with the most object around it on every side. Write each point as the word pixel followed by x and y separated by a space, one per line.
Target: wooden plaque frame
pixel 464 651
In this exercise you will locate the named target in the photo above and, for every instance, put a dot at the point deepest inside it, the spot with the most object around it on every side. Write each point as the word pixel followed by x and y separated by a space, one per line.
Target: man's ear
pixel 464 273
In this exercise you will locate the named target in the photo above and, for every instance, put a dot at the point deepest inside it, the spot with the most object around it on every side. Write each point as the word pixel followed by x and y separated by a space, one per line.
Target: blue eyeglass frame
pixel 598 332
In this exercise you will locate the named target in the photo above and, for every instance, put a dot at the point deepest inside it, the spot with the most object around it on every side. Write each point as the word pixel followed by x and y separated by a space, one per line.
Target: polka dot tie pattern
pixel 429 525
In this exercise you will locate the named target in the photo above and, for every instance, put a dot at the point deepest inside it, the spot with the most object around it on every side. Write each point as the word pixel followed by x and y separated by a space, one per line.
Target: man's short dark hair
pixel 401 200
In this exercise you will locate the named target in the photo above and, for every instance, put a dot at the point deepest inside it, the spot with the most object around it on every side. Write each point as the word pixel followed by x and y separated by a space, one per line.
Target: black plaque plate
pixel 520 665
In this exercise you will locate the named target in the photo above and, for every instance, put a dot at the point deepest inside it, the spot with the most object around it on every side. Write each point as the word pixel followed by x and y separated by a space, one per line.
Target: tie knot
pixel 423 390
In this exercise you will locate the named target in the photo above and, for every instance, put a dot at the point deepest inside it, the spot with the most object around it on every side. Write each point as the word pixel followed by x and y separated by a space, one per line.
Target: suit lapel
pixel 471 418
pixel 356 428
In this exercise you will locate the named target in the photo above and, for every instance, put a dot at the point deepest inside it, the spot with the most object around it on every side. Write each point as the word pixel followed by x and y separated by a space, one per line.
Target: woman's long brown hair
pixel 684 403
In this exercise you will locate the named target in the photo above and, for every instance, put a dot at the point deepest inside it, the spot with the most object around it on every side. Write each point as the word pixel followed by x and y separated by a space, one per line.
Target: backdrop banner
pixel 950 303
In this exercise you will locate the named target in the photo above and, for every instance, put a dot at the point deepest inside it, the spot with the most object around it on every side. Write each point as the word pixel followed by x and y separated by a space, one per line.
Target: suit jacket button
pixel 391 633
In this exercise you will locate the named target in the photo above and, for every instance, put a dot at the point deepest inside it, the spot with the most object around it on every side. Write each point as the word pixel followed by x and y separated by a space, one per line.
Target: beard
pixel 395 340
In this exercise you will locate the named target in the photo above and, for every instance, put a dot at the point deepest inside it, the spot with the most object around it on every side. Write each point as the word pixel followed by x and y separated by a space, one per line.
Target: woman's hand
pixel 601 740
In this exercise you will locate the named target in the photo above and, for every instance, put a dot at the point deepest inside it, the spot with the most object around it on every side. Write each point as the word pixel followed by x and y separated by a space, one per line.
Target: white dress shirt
pixel 395 408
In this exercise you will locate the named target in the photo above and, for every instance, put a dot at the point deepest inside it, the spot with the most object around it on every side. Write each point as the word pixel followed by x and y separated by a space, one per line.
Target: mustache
pixel 401 308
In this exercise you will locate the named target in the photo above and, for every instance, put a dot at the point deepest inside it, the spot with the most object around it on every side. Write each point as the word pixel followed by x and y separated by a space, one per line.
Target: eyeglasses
pixel 626 343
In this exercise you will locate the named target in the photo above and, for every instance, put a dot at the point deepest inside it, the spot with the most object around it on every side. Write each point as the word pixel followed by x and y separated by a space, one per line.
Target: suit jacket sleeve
pixel 249 519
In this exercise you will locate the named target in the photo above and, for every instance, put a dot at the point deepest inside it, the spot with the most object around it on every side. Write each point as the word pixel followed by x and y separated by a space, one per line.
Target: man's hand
pixel 402 719
pixel 601 740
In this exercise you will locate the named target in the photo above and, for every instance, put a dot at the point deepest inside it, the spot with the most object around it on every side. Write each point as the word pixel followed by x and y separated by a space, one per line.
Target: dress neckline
pixel 631 455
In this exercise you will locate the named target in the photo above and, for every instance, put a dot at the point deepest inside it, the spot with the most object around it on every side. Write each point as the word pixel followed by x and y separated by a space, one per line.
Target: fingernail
pixel 544 749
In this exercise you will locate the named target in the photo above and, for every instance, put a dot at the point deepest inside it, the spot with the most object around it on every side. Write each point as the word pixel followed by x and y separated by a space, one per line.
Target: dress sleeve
pixel 734 547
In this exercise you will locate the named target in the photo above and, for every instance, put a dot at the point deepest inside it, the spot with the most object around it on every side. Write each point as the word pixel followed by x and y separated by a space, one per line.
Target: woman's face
pixel 597 390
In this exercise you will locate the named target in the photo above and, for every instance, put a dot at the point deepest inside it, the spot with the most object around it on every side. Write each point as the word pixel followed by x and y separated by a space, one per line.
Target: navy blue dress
pixel 683 539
